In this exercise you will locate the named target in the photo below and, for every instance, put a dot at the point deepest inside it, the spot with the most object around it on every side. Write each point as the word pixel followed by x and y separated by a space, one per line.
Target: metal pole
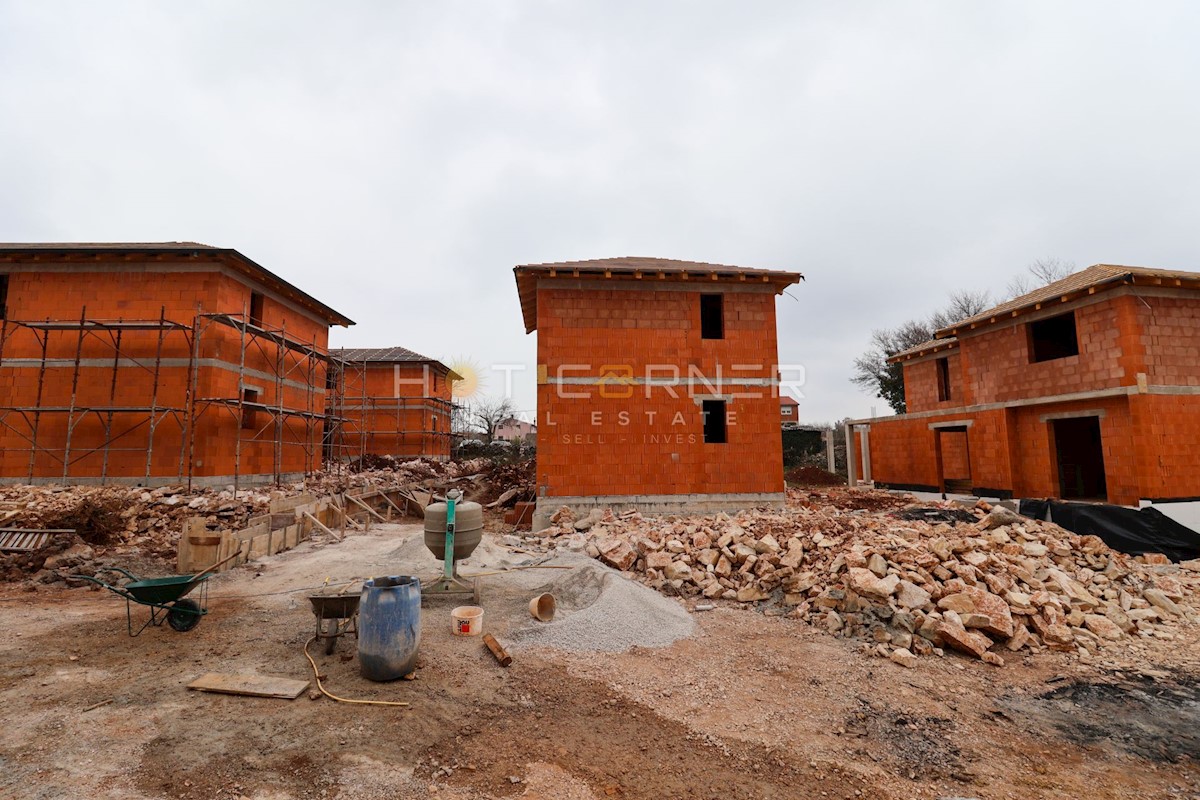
pixel 281 365
pixel 448 565
pixel 241 401
pixel 74 396
pixel 162 320
pixel 37 405
pixel 190 399
pixel 112 401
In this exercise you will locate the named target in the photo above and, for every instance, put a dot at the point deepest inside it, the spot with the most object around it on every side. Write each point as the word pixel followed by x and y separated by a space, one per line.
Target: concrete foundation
pixel 656 504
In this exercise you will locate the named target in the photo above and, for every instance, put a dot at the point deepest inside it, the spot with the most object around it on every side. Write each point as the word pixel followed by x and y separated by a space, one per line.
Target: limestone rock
pixel 999 617
pixel 751 593
pixel 1158 599
pixel 658 560
pixel 677 570
pixel 1102 626
pixel 863 581
pixel 958 637
pixel 912 596
pixel 960 603
pixel 904 657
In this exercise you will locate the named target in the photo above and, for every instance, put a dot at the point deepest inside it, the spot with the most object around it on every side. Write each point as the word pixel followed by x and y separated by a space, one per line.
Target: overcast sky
pixel 396 160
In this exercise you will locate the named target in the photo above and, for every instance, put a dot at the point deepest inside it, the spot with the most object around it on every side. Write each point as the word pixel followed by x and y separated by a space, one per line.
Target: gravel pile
pixel 599 610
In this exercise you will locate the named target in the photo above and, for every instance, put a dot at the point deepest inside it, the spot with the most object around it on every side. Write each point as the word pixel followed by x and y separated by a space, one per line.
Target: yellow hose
pixel 330 695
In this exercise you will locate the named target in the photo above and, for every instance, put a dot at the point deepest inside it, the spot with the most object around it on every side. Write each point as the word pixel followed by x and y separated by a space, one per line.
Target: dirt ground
pixel 752 706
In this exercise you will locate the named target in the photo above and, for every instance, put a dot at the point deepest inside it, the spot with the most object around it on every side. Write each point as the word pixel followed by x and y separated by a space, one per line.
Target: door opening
pixel 1080 457
pixel 953 460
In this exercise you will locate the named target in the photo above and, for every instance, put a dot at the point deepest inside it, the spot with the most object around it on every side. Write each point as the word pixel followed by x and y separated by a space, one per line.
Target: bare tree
pixel 488 414
pixel 1041 272
pixel 872 372
pixel 963 303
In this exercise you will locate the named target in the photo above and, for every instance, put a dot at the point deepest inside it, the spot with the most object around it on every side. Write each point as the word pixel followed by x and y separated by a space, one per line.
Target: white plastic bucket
pixel 466 621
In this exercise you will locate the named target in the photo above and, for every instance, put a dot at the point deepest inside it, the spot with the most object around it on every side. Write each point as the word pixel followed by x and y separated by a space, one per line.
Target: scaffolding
pixel 292 364
pixel 293 368
pixel 362 424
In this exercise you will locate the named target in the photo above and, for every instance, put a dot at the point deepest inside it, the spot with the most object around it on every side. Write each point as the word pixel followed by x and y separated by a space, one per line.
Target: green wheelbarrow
pixel 166 597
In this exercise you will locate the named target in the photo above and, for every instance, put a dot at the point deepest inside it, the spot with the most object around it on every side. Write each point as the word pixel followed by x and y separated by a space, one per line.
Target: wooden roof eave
pixel 1112 283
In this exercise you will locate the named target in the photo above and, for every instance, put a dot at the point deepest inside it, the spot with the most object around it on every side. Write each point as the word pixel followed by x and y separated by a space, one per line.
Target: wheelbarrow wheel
pixel 329 632
pixel 184 615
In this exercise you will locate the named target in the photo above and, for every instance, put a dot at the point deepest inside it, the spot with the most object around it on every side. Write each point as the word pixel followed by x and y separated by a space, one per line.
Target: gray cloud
pixel 396 160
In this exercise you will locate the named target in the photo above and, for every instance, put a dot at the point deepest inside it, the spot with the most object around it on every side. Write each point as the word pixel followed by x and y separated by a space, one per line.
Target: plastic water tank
pixel 389 627
pixel 468 529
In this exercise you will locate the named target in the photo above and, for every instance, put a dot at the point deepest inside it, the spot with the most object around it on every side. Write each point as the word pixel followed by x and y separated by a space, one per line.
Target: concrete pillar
pixel 851 457
pixel 866 451
pixel 830 458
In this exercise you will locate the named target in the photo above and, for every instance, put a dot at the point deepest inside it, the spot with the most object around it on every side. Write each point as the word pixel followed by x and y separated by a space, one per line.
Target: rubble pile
pixel 913 583
pixel 150 518
pixel 509 483
pixel 124 520
pixel 388 471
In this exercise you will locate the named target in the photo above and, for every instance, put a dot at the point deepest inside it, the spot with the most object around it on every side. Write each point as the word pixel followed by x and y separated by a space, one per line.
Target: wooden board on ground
pixel 250 685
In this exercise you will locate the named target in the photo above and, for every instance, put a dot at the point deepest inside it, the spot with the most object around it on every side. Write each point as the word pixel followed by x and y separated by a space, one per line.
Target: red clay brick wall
pixel 997 367
pixel 1037 471
pixel 415 427
pixel 142 295
pixel 1167 445
pixel 902 452
pixel 955 465
pixel 1013 450
pixel 1170 334
pixel 921 384
pixel 610 454
pixel 657 447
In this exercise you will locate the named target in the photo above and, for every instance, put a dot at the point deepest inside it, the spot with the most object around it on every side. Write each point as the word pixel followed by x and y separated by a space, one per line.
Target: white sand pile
pixel 600 610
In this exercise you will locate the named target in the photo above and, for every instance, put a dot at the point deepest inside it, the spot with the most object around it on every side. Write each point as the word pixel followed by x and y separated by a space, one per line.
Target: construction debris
pixel 912 584
pixel 146 523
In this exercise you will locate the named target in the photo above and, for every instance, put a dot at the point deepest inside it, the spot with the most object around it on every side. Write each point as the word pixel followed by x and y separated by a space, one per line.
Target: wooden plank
pixel 321 525
pixel 388 500
pixel 282 504
pixel 250 685
pixel 368 509
pixel 258 546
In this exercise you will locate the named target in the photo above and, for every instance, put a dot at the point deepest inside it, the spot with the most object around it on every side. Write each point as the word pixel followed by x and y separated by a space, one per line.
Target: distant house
pixel 789 411
pixel 513 429
pixel 390 401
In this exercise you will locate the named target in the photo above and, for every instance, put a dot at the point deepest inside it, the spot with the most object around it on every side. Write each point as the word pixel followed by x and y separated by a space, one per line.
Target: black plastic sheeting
pixel 1128 530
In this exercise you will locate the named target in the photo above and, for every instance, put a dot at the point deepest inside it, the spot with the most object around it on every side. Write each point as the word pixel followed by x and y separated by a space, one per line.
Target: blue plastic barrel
pixel 389 627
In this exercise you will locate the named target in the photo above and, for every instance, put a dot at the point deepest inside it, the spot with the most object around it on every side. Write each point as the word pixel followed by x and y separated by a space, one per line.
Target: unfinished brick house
pixel 1088 388
pixel 156 364
pixel 390 401
pixel 657 384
